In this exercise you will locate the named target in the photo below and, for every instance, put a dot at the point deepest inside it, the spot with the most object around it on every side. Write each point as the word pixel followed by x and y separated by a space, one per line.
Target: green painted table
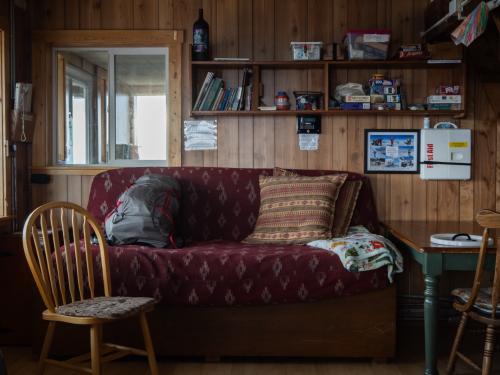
pixel 413 238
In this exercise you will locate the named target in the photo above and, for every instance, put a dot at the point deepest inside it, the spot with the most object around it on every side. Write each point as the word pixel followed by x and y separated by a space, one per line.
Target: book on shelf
pixel 215 96
pixel 203 90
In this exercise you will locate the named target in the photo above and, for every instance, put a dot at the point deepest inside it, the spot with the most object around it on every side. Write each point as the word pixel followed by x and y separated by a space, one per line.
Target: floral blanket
pixel 361 250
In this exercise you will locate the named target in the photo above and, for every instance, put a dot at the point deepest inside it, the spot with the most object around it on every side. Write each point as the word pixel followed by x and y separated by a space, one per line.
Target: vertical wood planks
pixel 320 28
pixel 290 25
pixel 245 49
pixel 227 46
pixel 90 14
pixel 263 49
pixel 117 14
pixel 146 14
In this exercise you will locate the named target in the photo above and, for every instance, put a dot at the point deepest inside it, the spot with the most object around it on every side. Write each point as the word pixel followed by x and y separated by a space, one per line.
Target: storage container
pixel 307 50
pixel 308 100
pixel 367 44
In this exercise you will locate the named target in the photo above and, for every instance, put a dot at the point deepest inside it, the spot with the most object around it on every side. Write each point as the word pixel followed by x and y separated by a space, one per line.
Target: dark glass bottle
pixel 200 38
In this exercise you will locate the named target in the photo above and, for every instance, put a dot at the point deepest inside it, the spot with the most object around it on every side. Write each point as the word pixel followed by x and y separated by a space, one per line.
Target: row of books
pixel 214 96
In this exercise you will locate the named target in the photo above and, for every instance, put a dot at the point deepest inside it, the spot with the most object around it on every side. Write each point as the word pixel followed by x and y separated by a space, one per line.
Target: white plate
pixel 445 239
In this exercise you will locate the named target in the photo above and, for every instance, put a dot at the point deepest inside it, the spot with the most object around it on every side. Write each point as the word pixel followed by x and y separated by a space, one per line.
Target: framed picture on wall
pixel 392 151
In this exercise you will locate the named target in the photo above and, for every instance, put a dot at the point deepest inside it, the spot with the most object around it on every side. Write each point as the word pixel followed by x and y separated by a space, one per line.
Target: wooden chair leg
pixel 456 344
pixel 488 349
pixel 47 343
pixel 153 367
pixel 95 348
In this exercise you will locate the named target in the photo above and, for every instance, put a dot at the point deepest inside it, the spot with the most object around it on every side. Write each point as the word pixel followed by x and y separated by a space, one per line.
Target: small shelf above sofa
pixel 340 64
pixel 330 73
pixel 331 112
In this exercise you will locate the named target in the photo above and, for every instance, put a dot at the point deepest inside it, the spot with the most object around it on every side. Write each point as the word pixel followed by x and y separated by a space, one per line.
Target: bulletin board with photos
pixel 392 151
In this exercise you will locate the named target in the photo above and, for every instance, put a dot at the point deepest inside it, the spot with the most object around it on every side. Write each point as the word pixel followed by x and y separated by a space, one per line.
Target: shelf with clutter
pixel 357 78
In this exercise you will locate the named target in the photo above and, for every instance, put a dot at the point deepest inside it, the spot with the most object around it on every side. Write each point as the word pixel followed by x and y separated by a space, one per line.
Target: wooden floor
pixel 21 362
pixel 409 361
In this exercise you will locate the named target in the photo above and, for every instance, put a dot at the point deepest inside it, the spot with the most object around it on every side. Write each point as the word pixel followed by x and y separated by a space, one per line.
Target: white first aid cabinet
pixel 445 154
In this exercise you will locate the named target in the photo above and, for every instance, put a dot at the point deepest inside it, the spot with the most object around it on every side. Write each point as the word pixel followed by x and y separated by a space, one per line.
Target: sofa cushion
pixel 296 209
pixel 344 206
pixel 229 273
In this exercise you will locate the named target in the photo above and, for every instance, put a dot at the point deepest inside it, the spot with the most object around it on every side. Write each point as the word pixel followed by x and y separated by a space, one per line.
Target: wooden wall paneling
pixel 117 14
pixel 90 14
pixel 210 13
pixel 146 14
pixel 72 14
pixel 39 81
pixel 362 14
pixel 57 189
pixel 185 13
pixel 245 49
pixel 356 126
pixel 485 148
pixel 227 46
pixel 166 15
pixel 263 49
pixel 290 25
pixel 320 28
pixel 339 151
pixel 75 189
pixel 384 8
pixel 51 15
pixel 86 183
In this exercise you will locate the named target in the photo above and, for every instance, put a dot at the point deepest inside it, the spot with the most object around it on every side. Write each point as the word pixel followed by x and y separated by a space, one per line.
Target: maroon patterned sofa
pixel 219 297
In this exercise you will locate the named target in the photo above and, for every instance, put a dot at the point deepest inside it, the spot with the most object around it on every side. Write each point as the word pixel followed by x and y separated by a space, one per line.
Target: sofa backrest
pixel 216 203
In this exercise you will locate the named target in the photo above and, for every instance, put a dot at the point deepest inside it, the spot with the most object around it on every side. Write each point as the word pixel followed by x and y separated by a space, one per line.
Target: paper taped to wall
pixel 200 135
pixel 308 142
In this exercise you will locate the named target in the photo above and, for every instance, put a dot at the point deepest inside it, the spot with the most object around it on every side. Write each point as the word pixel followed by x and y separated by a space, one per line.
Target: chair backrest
pixel 64 270
pixel 487 219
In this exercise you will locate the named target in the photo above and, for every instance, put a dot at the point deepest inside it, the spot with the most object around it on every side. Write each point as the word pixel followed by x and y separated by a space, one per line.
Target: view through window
pixel 111 105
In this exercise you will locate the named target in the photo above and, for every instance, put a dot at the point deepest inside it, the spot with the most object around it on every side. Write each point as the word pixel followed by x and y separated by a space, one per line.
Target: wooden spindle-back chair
pixel 479 304
pixel 58 239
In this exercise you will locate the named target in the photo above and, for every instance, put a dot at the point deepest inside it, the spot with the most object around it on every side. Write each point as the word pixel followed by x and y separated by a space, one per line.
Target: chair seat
pixel 106 307
pixel 483 301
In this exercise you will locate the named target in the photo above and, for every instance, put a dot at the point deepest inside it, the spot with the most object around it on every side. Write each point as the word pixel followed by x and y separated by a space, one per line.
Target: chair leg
pixel 488 349
pixel 95 348
pixel 47 343
pixel 456 344
pixel 153 367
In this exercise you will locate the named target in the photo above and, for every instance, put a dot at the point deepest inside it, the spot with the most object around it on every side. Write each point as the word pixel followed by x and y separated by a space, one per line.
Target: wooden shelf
pixel 330 112
pixel 328 69
pixel 291 64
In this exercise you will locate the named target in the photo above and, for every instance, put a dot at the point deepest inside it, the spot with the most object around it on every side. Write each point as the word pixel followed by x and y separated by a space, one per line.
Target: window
pixel 111 106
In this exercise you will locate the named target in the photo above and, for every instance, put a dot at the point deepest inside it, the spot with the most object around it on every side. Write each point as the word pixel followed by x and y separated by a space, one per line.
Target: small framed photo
pixel 392 151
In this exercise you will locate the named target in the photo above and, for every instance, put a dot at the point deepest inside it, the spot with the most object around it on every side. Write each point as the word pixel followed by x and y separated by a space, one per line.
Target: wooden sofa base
pixel 358 326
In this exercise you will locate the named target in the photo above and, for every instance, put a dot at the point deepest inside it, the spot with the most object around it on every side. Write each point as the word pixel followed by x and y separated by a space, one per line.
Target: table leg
pixel 431 302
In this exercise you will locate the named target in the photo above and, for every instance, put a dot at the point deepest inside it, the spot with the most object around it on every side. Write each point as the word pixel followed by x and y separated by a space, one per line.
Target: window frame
pixel 44 42
pixel 111 117
pixel 5 178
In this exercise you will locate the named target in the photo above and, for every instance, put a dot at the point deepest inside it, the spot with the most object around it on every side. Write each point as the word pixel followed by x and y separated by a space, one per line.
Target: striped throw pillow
pixel 345 205
pixel 296 210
